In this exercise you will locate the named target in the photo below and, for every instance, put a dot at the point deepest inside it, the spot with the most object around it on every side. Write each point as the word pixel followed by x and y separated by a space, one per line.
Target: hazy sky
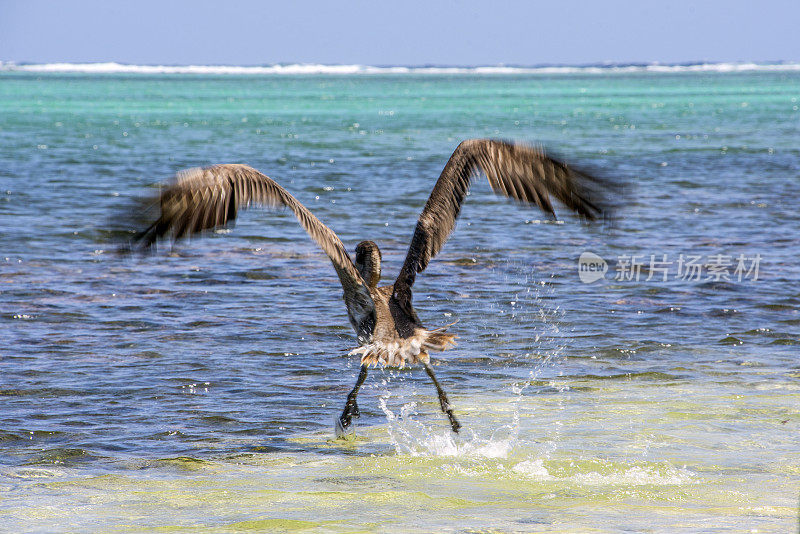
pixel 400 32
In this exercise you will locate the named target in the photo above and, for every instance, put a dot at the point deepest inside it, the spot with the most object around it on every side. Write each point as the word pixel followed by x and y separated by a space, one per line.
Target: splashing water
pixel 415 438
pixel 412 435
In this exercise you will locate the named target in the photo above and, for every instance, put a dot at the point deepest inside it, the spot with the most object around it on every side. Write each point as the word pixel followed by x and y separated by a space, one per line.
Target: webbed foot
pixel 344 422
pixel 443 401
pixel 454 424
pixel 342 427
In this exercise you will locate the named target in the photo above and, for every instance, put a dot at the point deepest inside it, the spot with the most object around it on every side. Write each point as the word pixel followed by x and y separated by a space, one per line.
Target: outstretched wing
pixel 202 199
pixel 521 172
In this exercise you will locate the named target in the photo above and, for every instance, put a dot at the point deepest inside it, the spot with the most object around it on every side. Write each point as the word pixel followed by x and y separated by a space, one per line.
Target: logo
pixel 591 267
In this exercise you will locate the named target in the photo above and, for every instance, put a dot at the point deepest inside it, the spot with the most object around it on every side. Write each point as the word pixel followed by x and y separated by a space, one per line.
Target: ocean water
pixel 195 390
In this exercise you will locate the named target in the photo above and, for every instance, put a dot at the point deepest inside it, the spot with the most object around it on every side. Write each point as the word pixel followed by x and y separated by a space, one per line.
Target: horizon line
pixel 111 67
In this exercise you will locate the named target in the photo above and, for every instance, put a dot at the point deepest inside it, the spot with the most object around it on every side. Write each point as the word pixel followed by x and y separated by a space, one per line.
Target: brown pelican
pixel 388 329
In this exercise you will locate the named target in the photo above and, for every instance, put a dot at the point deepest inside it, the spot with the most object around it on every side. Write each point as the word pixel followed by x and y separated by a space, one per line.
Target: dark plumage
pixel 388 329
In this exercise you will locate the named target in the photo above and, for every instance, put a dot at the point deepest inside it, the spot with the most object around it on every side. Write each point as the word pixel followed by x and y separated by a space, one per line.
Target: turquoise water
pixel 195 390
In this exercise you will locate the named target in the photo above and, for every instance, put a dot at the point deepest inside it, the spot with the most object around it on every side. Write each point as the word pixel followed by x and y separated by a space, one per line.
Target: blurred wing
pixel 521 172
pixel 207 198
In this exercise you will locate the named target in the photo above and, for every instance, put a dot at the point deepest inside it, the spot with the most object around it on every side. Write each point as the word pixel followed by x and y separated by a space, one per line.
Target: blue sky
pixel 406 32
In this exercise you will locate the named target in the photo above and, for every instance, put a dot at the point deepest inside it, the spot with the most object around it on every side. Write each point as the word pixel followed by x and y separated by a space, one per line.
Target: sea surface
pixel 195 389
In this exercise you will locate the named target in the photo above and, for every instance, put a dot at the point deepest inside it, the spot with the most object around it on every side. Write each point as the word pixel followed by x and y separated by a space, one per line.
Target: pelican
pixel 388 329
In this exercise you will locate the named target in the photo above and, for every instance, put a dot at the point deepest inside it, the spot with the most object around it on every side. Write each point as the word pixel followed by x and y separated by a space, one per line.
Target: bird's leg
pixel 351 408
pixel 445 404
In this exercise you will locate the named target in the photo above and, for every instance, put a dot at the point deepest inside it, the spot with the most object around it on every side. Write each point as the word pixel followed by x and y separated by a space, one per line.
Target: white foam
pixel 632 476
pixel 534 469
pixel 33 473
pixel 636 476
pixel 414 438
pixel 317 68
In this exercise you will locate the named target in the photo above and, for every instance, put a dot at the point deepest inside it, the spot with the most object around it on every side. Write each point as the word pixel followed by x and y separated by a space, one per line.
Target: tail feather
pixel 410 350
pixel 439 341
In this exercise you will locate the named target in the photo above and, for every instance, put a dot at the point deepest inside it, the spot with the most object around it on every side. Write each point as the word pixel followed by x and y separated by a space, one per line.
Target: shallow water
pixel 195 390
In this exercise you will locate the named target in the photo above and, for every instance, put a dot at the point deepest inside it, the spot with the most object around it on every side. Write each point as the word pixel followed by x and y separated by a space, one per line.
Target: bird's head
pixel 368 262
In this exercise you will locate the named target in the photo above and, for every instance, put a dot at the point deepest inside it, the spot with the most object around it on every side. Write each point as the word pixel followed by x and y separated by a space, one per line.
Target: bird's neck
pixel 371 268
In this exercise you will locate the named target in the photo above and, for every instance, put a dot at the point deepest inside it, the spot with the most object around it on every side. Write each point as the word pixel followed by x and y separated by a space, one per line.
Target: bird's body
pixel 399 338
pixel 387 326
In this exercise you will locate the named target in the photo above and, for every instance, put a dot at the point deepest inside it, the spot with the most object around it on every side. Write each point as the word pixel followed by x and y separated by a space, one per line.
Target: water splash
pixel 528 305
pixel 411 437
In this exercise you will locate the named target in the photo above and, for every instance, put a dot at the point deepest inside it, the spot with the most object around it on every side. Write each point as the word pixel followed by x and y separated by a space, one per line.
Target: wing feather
pixel 207 198
pixel 517 171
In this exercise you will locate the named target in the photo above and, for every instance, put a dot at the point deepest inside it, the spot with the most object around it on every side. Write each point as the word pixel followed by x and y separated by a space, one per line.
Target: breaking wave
pixel 314 68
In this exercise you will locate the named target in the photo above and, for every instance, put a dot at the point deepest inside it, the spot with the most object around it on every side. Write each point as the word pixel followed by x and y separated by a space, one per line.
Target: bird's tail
pixel 410 350
pixel 439 340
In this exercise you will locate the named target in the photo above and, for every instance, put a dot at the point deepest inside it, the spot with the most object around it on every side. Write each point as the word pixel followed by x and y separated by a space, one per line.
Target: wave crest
pixel 315 68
